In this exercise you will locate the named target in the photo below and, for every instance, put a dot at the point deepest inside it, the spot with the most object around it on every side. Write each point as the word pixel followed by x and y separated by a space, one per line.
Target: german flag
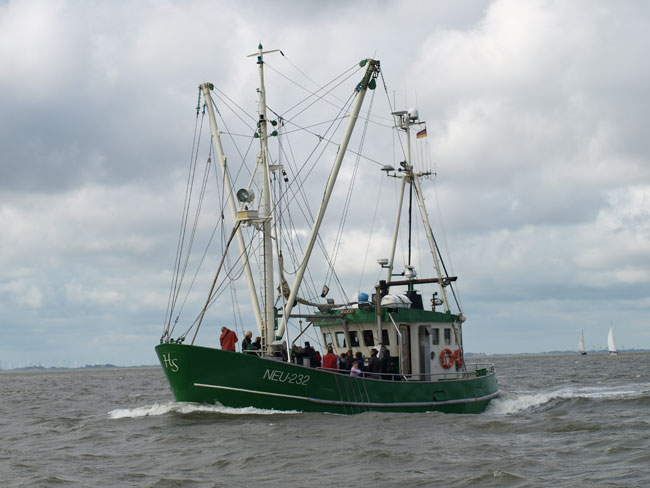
pixel 421 134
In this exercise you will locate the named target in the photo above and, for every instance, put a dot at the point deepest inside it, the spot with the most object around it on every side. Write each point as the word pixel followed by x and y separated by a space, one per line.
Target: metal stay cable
pixel 177 280
pixel 392 109
pixel 291 228
pixel 322 138
pixel 193 231
pixel 177 259
pixel 250 143
pixel 342 78
pixel 300 186
pixel 372 230
pixel 444 238
pixel 330 92
pixel 217 290
pixel 348 199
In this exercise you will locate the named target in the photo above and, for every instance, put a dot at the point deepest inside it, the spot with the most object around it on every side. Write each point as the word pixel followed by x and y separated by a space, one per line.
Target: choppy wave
pixel 187 408
pixel 518 402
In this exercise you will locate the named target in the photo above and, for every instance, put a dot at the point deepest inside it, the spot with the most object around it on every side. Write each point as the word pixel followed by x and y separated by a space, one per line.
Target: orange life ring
pixel 458 357
pixel 446 358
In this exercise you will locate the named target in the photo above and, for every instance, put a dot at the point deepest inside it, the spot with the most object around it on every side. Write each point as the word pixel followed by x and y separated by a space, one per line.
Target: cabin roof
pixel 358 316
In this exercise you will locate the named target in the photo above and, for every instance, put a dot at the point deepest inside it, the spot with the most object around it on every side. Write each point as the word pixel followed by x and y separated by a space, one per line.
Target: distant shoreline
pixel 80 368
pixel 473 355
pixel 552 353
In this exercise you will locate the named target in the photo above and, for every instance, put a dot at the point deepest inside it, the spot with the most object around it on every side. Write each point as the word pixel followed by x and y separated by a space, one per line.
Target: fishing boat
pixel 422 364
pixel 581 344
pixel 611 345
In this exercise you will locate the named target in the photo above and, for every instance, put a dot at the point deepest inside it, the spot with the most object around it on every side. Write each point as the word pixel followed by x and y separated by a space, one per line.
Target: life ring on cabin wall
pixel 447 358
pixel 458 358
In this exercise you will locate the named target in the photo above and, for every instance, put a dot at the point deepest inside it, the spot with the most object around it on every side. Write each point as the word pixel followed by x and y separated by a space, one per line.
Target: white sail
pixel 581 343
pixel 611 345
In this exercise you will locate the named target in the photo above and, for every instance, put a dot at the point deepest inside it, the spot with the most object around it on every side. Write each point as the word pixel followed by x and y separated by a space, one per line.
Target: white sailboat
pixel 581 344
pixel 611 345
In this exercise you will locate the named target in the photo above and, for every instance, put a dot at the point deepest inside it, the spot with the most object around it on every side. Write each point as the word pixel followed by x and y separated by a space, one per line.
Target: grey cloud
pixel 536 114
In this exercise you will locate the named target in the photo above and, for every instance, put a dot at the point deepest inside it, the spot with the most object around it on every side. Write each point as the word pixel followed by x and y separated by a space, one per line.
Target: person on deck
pixel 297 353
pixel 257 344
pixel 358 357
pixel 355 370
pixel 373 363
pixel 309 352
pixel 341 364
pixel 386 364
pixel 329 360
pixel 349 358
pixel 317 360
pixel 228 339
pixel 247 341
pixel 303 353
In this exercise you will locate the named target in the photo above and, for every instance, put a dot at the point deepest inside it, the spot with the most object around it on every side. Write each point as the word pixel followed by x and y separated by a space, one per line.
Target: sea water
pixel 563 420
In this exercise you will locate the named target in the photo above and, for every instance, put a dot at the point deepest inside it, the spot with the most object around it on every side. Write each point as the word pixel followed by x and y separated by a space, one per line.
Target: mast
pixel 406 119
pixel 396 231
pixel 267 241
pixel 410 180
pixel 371 73
pixel 228 190
pixel 407 177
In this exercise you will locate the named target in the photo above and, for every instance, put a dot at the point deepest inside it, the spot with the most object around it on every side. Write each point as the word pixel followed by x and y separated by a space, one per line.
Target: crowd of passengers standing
pixel 376 366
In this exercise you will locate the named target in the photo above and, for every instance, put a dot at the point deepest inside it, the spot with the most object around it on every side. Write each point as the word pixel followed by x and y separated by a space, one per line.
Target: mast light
pixel 245 196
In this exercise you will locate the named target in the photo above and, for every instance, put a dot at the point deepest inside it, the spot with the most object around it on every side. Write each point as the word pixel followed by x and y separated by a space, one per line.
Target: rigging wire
pixel 178 277
pixel 348 198
pixel 342 78
pixel 372 228
pixel 322 138
pixel 286 58
pixel 242 157
pixel 392 109
pixel 196 220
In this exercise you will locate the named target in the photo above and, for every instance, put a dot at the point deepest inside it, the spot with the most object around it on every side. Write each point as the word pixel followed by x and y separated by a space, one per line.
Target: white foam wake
pixel 517 402
pixel 186 408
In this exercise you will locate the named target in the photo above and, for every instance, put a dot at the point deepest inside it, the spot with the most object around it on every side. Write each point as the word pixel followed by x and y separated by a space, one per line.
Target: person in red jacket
pixel 329 360
pixel 228 339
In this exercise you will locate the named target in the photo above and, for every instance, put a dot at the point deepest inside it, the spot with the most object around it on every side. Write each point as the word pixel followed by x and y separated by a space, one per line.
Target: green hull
pixel 205 375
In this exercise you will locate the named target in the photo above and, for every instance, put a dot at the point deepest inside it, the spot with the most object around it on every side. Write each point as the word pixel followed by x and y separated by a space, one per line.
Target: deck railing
pixel 472 370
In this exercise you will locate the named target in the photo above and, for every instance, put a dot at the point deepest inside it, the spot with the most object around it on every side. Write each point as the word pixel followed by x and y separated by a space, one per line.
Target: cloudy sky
pixel 537 114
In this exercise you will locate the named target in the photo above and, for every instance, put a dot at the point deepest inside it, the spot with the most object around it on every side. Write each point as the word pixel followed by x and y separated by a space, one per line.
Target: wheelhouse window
pixel 384 337
pixel 447 337
pixel 340 339
pixel 328 338
pixel 354 339
pixel 368 338
pixel 435 336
